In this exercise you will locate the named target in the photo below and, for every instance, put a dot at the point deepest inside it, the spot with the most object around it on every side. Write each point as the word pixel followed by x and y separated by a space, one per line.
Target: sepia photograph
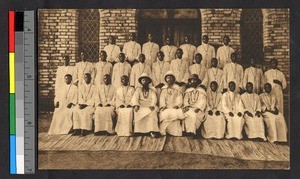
pixel 127 89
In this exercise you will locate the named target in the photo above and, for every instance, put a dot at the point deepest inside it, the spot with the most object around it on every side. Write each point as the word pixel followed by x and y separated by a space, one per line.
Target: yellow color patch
pixel 12 73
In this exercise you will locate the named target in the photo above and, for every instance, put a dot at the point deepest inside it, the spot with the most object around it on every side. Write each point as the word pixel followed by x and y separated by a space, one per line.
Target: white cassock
pixel 180 69
pixel 125 115
pixel 101 69
pixel 132 50
pixel 214 126
pixel 276 125
pixel 169 52
pixel 150 50
pixel 159 69
pixel 112 52
pixel 198 69
pixel 60 75
pixel 194 98
pixel 233 72
pixel 271 75
pixel 231 102
pixel 189 51
pixel 136 72
pixel 104 116
pixel 224 55
pixel 255 76
pixel 145 120
pixel 62 117
pixel 171 118
pixel 254 126
pixel 81 69
pixel 214 74
pixel 208 52
pixel 119 70
pixel 83 118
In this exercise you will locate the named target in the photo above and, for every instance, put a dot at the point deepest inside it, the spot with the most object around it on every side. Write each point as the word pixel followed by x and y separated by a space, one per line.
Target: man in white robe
pixel 194 106
pixel 124 108
pixel 224 52
pixel 137 70
pixel 277 79
pixel 83 112
pixel 159 69
pixel 62 71
pixel 150 50
pixel 170 103
pixel 104 118
pixel 214 126
pixel 82 68
pixel 233 72
pixel 233 110
pixel 64 101
pixel 169 50
pixel 207 51
pixel 132 49
pixel 254 123
pixel 255 76
pixel 102 68
pixel 275 123
pixel 198 68
pixel 112 50
pixel 120 69
pixel 188 50
pixel 145 109
pixel 214 74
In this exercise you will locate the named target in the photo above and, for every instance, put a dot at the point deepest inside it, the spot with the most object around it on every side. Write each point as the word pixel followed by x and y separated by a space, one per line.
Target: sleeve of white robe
pixel 119 101
pixel 113 76
pixel 74 95
pixel 139 51
pixel 240 106
pixel 80 97
pixel 153 97
pixel 263 105
pixel 258 104
pixel 283 80
pixel 97 99
pixel 225 107
pixel 133 75
pixel 245 79
pixel 179 99
pixel 162 98
pixel 201 103
pixel 113 99
pixel 90 100
pixel 135 97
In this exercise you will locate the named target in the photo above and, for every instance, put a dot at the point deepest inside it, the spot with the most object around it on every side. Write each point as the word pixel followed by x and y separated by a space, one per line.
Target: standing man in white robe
pixel 137 70
pixel 112 50
pixel 105 102
pixel 224 52
pixel 102 68
pixel 170 103
pixel 83 112
pixel 277 79
pixel 145 109
pixel 275 122
pixel 82 68
pixel 124 108
pixel 233 110
pixel 194 106
pixel 254 123
pixel 169 50
pixel 64 101
pixel 132 49
pixel 198 68
pixel 159 69
pixel 255 76
pixel 150 50
pixel 214 74
pixel 214 126
pixel 120 69
pixel 188 50
pixel 207 51
pixel 62 71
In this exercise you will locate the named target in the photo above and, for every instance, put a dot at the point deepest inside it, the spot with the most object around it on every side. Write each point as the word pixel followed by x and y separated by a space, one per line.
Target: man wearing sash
pixel 112 50
pixel 170 103
pixel 102 68
pixel 214 74
pixel 64 102
pixel 207 51
pixel 198 68
pixel 150 50
pixel 132 49
pixel 105 107
pixel 83 112
pixel 120 69
pixel 82 68
pixel 169 50
pixel 188 50
pixel 214 126
pixel 253 75
pixel 224 52
pixel 254 124
pixel 137 70
pixel 159 69
pixel 124 108
pixel 62 71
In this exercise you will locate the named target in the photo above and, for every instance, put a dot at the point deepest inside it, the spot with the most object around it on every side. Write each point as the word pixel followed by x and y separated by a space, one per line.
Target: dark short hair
pixel 68 75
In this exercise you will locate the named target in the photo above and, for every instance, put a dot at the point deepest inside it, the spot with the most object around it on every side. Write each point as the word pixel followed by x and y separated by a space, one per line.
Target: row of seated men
pixel 127 110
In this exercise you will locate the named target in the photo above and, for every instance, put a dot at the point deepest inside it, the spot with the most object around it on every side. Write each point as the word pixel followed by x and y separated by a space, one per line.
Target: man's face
pixel 226 40
pixel 252 62
pixel 205 39
pixel 274 64
pixel 179 53
pixel 111 40
pixel 213 87
pixel 121 57
pixel 233 57
pixel 142 58
pixel 66 61
pixel 268 88
pixel 249 87
pixel 160 56
pixel 187 39
pixel 193 82
pixel 232 87
pixel 132 36
pixel 87 78
pixel 82 56
pixel 68 79
pixel 214 63
pixel 145 81
pixel 103 56
pixel 149 37
pixel 106 79
pixel 198 58
pixel 170 79
pixel 124 80
pixel 167 41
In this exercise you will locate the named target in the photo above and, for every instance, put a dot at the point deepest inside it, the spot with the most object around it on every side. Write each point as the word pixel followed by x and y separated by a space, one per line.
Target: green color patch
pixel 12 114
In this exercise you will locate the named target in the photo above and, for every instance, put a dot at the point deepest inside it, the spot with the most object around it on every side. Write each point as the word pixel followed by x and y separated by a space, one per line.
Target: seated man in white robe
pixel 83 112
pixel 275 122
pixel 132 50
pixel 159 69
pixel 207 51
pixel 170 103
pixel 169 50
pixel 277 79
pixel 214 74
pixel 233 110
pixel 82 68
pixel 214 126
pixel 254 75
pixel 120 69
pixel 64 101
pixel 254 123
pixel 102 68
pixel 224 52
pixel 124 108
pixel 150 50
pixel 104 118
pixel 198 68
pixel 145 109
pixel 194 106
pixel 112 50
pixel 188 50
pixel 62 71
pixel 137 70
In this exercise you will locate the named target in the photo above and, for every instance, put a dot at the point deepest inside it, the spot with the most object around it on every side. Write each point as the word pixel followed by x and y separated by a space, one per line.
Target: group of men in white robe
pixel 174 91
